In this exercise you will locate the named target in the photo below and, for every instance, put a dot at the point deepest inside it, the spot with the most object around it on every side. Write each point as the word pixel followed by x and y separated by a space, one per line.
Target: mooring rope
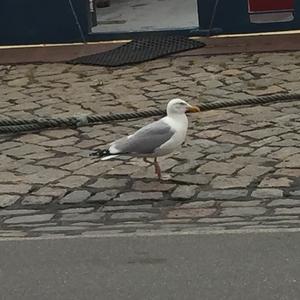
pixel 24 125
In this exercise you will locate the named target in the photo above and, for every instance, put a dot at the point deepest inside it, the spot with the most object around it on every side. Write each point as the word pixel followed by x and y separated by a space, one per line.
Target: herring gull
pixel 156 139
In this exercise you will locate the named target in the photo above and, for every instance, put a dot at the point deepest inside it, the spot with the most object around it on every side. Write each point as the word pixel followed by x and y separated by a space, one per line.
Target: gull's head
pixel 179 106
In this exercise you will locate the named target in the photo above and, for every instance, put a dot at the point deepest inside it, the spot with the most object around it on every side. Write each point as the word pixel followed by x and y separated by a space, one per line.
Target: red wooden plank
pixel 270 5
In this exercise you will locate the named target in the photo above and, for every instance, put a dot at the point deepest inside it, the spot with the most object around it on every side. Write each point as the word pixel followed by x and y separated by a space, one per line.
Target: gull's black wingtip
pixel 100 153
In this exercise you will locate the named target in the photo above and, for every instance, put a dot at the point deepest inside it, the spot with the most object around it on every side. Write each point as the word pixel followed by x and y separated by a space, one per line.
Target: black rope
pixel 212 19
pixel 77 21
pixel 23 125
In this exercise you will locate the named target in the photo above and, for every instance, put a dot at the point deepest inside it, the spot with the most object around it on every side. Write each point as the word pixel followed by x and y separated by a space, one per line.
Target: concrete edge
pixel 156 233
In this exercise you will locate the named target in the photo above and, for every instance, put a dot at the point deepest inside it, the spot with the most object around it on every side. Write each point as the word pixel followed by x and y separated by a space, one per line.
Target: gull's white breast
pixel 180 125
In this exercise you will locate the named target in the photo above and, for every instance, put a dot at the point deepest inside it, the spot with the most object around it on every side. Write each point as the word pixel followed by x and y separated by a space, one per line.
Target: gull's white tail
pixel 109 157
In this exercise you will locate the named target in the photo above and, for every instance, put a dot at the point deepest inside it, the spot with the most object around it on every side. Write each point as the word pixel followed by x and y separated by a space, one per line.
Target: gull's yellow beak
pixel 193 109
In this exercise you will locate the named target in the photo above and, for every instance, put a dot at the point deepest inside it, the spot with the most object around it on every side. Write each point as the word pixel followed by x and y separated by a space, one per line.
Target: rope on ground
pixel 33 124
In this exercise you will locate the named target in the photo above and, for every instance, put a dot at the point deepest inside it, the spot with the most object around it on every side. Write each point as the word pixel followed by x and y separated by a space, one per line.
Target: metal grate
pixel 140 50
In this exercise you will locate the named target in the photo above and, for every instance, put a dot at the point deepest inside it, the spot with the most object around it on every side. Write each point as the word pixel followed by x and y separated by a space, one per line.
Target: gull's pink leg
pixel 157 168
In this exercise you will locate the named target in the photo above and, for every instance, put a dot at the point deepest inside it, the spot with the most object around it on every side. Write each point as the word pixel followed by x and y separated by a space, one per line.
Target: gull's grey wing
pixel 146 140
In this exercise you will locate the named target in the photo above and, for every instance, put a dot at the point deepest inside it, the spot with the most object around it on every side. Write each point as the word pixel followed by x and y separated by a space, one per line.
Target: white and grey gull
pixel 156 139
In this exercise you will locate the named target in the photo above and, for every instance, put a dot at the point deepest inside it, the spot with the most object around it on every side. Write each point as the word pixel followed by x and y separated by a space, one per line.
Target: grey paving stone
pixel 243 211
pixel 57 161
pixel 30 169
pixel 220 220
pixel 288 172
pixel 212 84
pixel 254 171
pixel 204 143
pixel 167 164
pixel 184 191
pixel 291 162
pixel 198 204
pixel 32 138
pixel 144 173
pixel 265 141
pixel 295 193
pixel 254 161
pixel 127 169
pixel 132 215
pixel 126 207
pixel 97 233
pixel 45 176
pixel 263 151
pixel 231 138
pixel 197 179
pixel 8 200
pixel 73 181
pixel 76 210
pixel 269 182
pixel 109 183
pixel 132 196
pixel 241 150
pixel 24 150
pixel 238 224
pixel 12 233
pixel 32 200
pixel 9 177
pixel 58 228
pixel 104 196
pixel 272 218
pixel 285 152
pixel 50 191
pixel 267 193
pixel 172 222
pixel 289 222
pixel 263 226
pixel 223 194
pixel 219 168
pixel 209 134
pixel 226 182
pixel 284 202
pixel 221 148
pixel 185 168
pixel 11 212
pixel 254 203
pixel 77 164
pixel 191 212
pixel 152 186
pixel 97 168
pixel 69 141
pixel 94 216
pixel 29 219
pixel 75 197
pixel 235 128
pixel 232 72
pixel 294 136
pixel 28 226
pixel 220 156
pixel 15 188
pixel 287 143
pixel 8 145
pixel 287 211
pixel 18 82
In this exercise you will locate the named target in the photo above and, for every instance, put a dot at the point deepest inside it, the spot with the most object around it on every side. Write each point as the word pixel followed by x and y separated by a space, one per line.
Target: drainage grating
pixel 140 50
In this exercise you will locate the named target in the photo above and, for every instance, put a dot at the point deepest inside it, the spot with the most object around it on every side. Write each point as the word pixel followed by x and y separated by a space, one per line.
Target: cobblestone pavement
pixel 240 167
